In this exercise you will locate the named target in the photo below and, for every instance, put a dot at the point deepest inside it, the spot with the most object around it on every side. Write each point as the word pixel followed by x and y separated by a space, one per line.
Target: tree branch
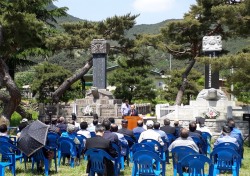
pixel 67 83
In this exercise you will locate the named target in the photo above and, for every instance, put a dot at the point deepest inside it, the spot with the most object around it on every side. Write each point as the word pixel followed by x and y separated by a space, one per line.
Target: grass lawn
pixel 81 170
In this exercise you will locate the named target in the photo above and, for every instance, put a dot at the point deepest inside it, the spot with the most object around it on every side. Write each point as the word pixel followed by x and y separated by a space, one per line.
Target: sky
pixel 151 11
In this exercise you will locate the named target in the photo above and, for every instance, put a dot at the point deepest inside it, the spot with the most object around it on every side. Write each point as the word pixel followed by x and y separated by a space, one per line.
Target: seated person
pixel 197 134
pixel 150 133
pixel 226 130
pixel 83 131
pixel 167 128
pixel 62 124
pixel 107 133
pixel 91 127
pixel 121 138
pixel 139 128
pixel 157 129
pixel 70 133
pixel 235 132
pixel 101 143
pixel 184 140
pixel 4 130
pixel 52 127
pixel 125 131
pixel 20 128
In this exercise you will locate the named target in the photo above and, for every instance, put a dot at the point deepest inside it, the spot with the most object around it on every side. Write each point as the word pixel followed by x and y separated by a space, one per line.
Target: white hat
pixel 24 120
pixel 150 123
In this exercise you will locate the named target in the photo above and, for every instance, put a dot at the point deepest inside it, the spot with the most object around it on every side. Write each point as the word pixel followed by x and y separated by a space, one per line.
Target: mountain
pixel 160 60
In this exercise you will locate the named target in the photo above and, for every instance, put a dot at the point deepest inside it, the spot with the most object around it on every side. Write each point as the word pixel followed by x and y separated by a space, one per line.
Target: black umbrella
pixel 33 137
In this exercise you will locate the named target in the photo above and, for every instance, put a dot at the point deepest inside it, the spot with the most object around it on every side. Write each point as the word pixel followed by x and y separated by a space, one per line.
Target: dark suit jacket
pixel 195 134
pixel 168 129
pixel 127 132
pixel 135 112
pixel 104 144
pixel 110 136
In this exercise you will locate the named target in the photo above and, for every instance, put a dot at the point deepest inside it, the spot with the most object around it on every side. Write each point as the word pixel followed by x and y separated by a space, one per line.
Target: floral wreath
pixel 211 113
pixel 87 110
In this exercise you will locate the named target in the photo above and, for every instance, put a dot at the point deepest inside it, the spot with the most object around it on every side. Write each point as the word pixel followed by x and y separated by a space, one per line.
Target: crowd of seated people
pixel 108 132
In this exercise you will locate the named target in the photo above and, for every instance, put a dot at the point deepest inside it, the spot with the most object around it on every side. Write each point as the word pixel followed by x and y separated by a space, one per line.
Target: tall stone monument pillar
pixel 99 49
pixel 211 45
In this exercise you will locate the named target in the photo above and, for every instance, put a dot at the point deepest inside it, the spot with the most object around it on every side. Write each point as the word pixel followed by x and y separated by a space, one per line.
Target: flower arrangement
pixel 87 110
pixel 211 113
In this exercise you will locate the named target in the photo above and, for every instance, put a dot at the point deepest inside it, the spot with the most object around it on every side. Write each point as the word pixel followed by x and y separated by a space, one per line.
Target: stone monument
pixel 211 103
pixel 98 99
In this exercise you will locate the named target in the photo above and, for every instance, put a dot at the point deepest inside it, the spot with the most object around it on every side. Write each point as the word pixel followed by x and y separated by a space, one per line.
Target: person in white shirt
pixel 83 131
pixel 201 127
pixel 150 133
pixel 125 108
pixel 184 140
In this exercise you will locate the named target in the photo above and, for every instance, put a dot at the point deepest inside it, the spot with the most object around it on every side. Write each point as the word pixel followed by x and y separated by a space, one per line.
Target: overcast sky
pixel 151 11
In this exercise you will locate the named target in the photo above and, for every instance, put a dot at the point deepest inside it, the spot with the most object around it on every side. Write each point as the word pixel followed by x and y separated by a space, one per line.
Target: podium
pixel 132 121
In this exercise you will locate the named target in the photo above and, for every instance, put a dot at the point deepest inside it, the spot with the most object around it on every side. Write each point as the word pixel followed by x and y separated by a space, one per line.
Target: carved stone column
pixel 211 45
pixel 99 49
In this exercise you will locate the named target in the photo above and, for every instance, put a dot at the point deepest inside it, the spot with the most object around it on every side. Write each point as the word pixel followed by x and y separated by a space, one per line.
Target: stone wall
pixel 215 125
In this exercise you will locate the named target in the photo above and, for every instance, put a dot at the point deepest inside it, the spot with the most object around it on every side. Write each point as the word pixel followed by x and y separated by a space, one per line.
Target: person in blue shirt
pixel 226 137
pixel 70 133
pixel 235 132
pixel 139 128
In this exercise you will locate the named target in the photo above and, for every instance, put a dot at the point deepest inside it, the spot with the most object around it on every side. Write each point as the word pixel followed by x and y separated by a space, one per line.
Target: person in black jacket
pixel 167 128
pixel 100 143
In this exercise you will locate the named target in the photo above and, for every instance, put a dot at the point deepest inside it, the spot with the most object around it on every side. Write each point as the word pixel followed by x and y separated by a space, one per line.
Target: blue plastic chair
pixel 138 147
pixel 127 149
pixel 130 140
pixel 226 145
pixel 225 160
pixel 92 134
pixel 200 143
pixel 178 153
pixel 165 148
pixel 196 165
pixel 7 139
pixel 148 163
pixel 171 137
pixel 137 135
pixel 96 158
pixel 82 140
pixel 39 157
pixel 9 159
pixel 52 144
pixel 120 157
pixel 207 137
pixel 67 148
pixel 157 147
pixel 8 147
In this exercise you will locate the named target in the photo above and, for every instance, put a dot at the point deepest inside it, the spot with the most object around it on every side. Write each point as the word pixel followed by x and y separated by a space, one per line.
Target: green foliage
pixel 15 119
pixel 131 79
pixel 47 78
pixel 24 78
pixel 195 84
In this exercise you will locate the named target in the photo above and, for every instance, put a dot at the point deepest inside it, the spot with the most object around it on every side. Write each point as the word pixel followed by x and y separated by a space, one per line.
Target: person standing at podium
pixel 132 111
pixel 125 108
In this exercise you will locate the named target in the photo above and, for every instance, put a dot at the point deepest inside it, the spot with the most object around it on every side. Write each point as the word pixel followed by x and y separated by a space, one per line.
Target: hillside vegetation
pixel 160 60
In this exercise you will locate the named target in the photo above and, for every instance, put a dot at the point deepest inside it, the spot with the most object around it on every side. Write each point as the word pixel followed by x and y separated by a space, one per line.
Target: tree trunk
pixel 20 110
pixel 183 86
pixel 67 83
pixel 14 93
